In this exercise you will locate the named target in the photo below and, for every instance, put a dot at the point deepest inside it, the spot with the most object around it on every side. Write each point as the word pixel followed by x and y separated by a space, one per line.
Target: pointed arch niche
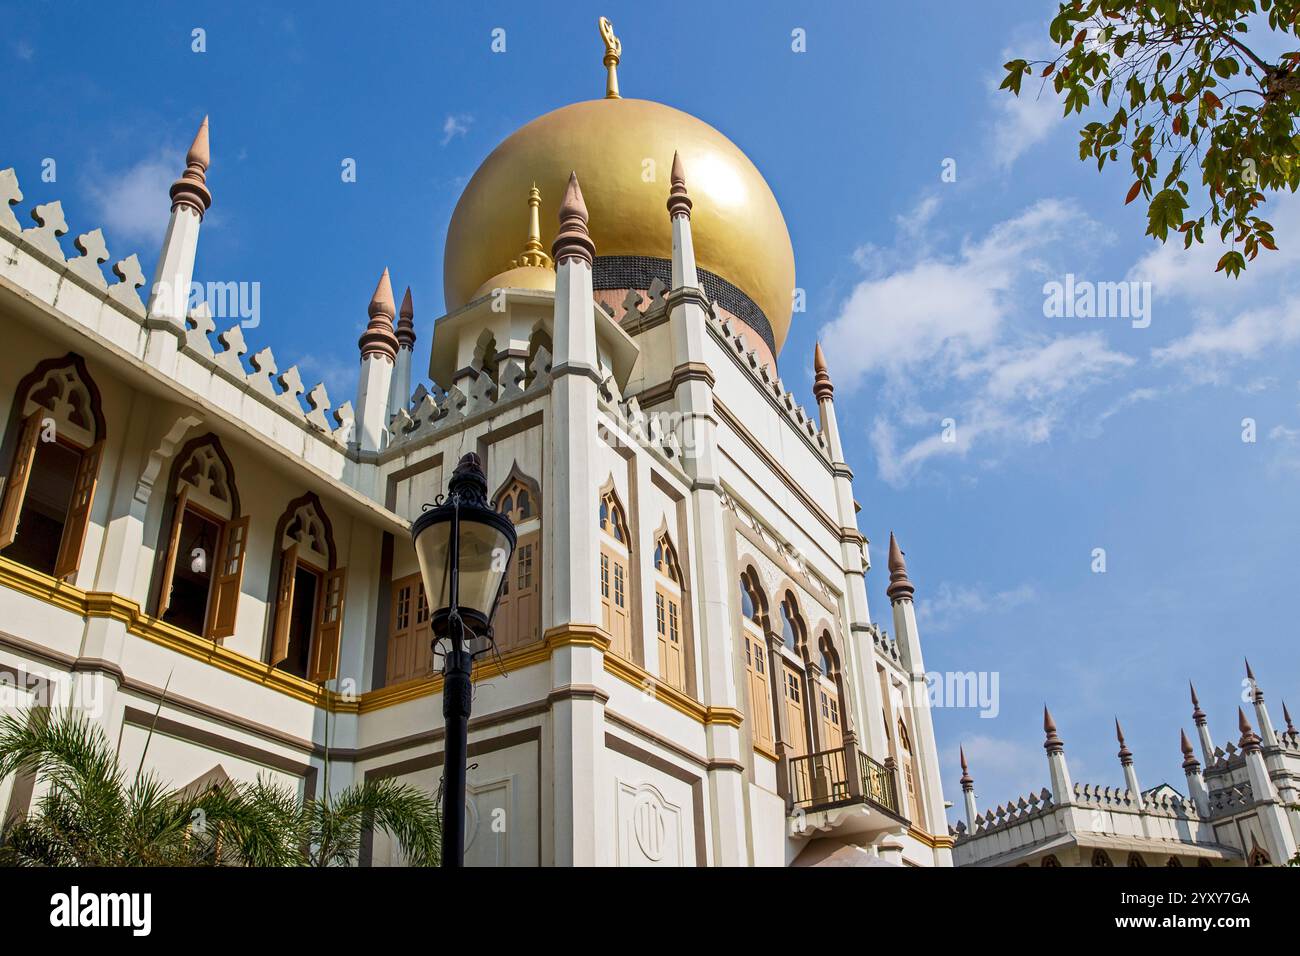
pixel 306 625
pixel 518 619
pixel 672 614
pixel 614 581
pixel 54 443
pixel 754 627
pixel 202 542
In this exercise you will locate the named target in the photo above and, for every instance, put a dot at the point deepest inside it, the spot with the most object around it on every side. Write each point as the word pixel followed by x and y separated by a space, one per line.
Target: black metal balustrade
pixel 821 780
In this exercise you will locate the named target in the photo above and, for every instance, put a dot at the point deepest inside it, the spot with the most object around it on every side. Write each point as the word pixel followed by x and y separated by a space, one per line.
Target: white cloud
pixel 24 50
pixel 964 338
pixel 1214 344
pixel 1023 121
pixel 455 125
pixel 1003 769
pixel 133 205
pixel 948 606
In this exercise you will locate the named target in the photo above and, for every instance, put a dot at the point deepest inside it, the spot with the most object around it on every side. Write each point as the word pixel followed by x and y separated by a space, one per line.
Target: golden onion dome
pixel 622 151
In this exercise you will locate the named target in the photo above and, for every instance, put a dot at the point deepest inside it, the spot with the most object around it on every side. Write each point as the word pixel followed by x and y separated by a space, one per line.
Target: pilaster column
pixel 582 808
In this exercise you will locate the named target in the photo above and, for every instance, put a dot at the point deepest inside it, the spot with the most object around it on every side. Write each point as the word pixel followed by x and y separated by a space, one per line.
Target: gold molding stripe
pixel 105 604
pixel 639 677
pixel 930 840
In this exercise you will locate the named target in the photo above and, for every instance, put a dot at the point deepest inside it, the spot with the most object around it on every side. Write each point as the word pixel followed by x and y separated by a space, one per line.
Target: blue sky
pixel 1071 434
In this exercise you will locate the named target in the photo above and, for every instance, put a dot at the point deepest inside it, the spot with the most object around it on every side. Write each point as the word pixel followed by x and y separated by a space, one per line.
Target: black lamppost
pixel 464 548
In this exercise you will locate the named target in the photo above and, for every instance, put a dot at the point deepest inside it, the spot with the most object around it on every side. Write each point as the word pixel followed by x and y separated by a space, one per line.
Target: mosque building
pixel 213 557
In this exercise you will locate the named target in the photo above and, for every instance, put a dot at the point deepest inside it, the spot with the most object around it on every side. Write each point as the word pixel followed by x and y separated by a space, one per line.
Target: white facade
pixel 599 735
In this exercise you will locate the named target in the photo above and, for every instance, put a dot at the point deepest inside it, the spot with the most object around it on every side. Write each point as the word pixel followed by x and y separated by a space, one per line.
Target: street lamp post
pixel 463 547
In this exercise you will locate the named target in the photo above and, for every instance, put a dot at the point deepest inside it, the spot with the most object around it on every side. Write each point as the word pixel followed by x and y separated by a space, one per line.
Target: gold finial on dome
pixel 613 52
pixel 534 253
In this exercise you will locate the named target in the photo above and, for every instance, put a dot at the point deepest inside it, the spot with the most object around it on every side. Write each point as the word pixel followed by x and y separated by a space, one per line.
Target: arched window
pixel 670 617
pixel 907 758
pixel 790 624
pixel 1099 858
pixel 756 660
pixel 1203 862
pixel 53 468
pixel 1051 861
pixel 830 698
pixel 518 619
pixel 309 595
pixel 794 690
pixel 1259 858
pixel 1174 861
pixel 202 557
pixel 747 608
pixel 1135 860
pixel 615 589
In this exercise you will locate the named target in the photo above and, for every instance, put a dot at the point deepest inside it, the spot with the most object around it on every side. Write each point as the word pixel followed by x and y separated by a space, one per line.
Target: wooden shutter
pixel 798 727
pixel 284 605
pixel 606 616
pixel 329 629
pixel 422 652
pixel 173 551
pixel 831 735
pixel 759 692
pixel 676 661
pixel 527 570
pixel 619 619
pixel 661 632
pixel 16 483
pixel 83 495
pixel 229 577
pixel 503 622
pixel 401 661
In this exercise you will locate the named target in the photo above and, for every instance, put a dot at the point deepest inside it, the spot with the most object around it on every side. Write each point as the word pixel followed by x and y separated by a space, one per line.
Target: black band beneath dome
pixel 637 272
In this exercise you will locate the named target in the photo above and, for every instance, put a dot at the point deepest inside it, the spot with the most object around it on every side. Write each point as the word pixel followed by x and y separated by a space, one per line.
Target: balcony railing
pixel 821 780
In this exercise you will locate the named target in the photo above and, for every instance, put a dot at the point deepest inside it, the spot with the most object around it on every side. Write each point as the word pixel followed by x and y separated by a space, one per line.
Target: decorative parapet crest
pixel 885 645
pixel 429 413
pixel 281 391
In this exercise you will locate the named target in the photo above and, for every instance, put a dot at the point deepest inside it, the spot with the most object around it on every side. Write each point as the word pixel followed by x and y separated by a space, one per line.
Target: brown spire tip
pixel 1190 762
pixel 573 240
pixel 900 586
pixel 381 303
pixel 191 189
pixel 679 203
pixel 199 153
pixel 379 337
pixel 967 781
pixel 823 388
pixel 1250 674
pixel 1053 744
pixel 406 323
pixel 1125 755
pixel 1249 739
